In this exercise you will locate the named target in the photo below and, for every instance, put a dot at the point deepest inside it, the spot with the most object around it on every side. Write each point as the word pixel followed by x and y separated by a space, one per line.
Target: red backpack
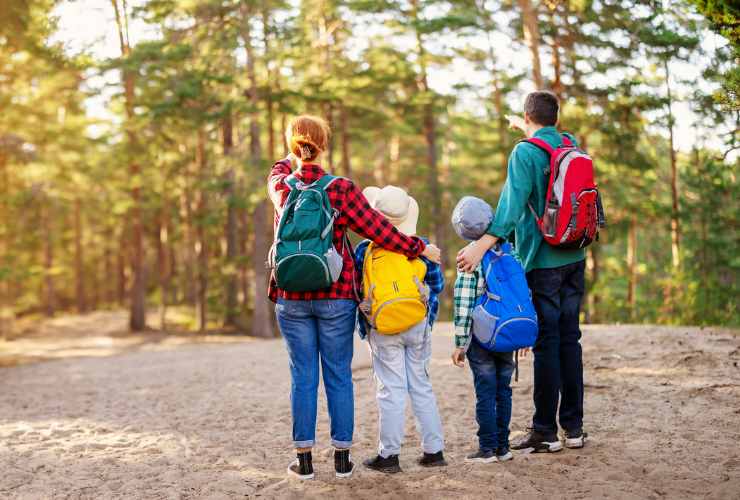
pixel 573 211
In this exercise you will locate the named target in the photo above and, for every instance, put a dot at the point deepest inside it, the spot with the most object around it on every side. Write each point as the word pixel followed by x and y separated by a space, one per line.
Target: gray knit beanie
pixel 471 218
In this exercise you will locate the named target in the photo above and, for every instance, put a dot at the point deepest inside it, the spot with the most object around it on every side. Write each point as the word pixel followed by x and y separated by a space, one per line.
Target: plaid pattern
pixel 434 279
pixel 468 287
pixel 355 213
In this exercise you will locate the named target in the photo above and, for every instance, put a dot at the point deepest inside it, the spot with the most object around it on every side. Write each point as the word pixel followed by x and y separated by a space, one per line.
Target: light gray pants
pixel 400 363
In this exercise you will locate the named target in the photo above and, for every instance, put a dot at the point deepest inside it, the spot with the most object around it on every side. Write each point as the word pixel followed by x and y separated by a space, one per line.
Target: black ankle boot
pixel 389 465
pixel 302 467
pixel 343 465
pixel 433 460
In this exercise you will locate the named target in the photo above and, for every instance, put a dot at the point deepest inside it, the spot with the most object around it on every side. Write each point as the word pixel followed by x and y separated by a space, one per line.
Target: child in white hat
pixel 401 359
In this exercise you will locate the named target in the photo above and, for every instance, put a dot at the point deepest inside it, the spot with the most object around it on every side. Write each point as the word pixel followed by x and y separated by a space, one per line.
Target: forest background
pixel 136 136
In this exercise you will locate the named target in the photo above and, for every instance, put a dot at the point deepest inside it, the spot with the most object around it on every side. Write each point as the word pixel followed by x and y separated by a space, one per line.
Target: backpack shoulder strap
pixel 291 181
pixel 368 271
pixel 566 140
pixel 487 267
pixel 325 181
pixel 544 146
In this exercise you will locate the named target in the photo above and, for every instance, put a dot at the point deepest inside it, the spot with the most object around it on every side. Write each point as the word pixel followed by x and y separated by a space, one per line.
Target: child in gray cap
pixel 491 370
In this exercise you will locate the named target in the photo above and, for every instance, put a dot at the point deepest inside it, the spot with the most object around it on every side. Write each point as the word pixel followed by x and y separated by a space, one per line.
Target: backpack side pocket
pixel 484 325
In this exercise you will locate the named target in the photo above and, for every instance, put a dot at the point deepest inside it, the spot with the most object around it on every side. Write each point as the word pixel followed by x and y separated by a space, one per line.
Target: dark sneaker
pixel 482 457
pixel 503 455
pixel 539 442
pixel 388 465
pixel 302 468
pixel 575 439
pixel 432 460
pixel 343 465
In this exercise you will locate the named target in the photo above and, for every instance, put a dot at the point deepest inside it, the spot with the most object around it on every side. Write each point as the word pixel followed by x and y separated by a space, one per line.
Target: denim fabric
pixel 558 360
pixel 400 364
pixel 319 331
pixel 492 380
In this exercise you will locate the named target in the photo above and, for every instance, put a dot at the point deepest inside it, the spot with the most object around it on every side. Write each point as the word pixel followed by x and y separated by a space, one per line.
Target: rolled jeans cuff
pixel 342 445
pixel 304 444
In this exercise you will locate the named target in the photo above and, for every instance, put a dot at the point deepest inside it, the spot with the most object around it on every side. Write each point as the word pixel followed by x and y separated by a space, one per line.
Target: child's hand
pixel 432 253
pixel 515 122
pixel 458 357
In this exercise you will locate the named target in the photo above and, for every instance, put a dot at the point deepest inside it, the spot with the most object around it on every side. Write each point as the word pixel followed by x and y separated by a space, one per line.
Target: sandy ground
pixel 213 421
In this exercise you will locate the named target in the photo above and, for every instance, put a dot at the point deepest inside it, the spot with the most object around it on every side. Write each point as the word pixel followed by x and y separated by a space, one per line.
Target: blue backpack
pixel 504 318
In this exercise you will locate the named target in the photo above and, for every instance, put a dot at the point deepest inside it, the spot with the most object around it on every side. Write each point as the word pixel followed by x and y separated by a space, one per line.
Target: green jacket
pixel 526 181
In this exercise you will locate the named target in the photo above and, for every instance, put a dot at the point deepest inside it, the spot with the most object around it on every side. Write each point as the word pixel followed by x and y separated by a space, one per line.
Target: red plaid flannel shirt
pixel 354 213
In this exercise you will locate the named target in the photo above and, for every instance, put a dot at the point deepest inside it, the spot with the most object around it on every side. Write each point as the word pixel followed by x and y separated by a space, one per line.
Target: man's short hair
pixel 542 107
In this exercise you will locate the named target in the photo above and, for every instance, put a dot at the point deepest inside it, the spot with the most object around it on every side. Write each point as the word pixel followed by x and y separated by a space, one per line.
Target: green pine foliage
pixel 182 159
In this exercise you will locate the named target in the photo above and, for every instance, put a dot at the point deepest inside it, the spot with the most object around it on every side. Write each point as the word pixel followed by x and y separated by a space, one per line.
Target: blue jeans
pixel 492 379
pixel 319 330
pixel 558 360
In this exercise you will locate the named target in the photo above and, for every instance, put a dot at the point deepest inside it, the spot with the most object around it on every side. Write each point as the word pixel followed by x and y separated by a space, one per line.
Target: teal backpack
pixel 303 256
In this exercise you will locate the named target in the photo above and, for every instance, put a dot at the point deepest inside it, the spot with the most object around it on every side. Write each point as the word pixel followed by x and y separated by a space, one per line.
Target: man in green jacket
pixel 555 276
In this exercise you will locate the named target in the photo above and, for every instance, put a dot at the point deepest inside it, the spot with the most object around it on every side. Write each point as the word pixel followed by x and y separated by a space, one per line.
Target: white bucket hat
pixel 396 204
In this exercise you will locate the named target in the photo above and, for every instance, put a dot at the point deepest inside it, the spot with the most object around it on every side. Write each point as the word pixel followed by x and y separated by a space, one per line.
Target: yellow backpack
pixel 395 294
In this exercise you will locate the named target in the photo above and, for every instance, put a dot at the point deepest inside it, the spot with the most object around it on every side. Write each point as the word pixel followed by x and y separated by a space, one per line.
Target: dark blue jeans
pixel 320 330
pixel 492 379
pixel 558 360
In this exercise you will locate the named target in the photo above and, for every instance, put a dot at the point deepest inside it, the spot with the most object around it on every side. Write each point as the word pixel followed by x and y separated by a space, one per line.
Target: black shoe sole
pixel 551 447
pixel 384 470
pixel 439 463
pixel 548 447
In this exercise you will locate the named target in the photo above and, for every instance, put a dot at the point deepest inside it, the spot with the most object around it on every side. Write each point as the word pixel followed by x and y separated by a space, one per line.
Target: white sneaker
pixel 575 439
pixel 481 457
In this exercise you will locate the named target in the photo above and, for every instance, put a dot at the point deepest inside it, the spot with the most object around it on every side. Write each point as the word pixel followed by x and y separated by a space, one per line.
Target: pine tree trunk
pixel 632 268
pixel 231 317
pixel 592 299
pixel 110 293
pixel 5 306
pixel 530 24
pixel 49 290
pixel 137 319
pixel 261 322
pixel 138 288
pixel 675 223
pixel 190 289
pixel 269 101
pixel 163 263
pixel 202 241
pixel 121 259
pixel 430 135
pixel 344 133
pixel 557 84
pixel 80 296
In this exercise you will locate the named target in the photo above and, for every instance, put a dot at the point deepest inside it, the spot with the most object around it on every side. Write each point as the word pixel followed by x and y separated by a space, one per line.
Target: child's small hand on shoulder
pixel 432 253
pixel 458 357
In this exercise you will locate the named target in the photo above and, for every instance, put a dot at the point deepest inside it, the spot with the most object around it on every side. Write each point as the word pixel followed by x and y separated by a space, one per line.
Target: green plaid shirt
pixel 468 287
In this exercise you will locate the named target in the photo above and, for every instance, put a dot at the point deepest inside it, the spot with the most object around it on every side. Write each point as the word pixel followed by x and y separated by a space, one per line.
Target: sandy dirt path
pixel 213 421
